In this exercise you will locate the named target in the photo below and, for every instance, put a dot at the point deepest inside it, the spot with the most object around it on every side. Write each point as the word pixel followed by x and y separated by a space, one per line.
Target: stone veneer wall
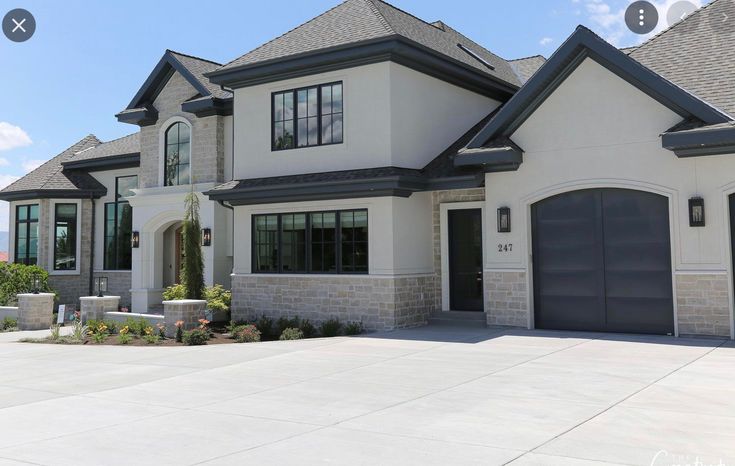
pixel 703 306
pixel 506 299
pixel 118 284
pixel 381 303
pixel 207 149
pixel 444 197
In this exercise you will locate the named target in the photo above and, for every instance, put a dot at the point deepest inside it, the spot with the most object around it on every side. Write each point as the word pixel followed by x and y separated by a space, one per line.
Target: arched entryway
pixel 602 262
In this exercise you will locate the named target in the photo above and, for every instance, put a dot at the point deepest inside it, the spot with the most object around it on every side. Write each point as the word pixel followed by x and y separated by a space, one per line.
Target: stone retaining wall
pixel 702 303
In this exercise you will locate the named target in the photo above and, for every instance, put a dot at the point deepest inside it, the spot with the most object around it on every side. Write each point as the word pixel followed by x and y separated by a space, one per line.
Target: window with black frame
pixel 65 237
pixel 119 226
pixel 26 234
pixel 314 242
pixel 306 117
pixel 177 162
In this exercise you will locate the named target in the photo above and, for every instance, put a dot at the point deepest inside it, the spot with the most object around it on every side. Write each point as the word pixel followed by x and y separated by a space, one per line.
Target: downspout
pixel 91 252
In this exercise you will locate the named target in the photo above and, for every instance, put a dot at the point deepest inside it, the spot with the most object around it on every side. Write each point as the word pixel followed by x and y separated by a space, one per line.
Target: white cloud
pixel 546 41
pixel 30 165
pixel 4 216
pixel 12 136
pixel 4 162
pixel 607 18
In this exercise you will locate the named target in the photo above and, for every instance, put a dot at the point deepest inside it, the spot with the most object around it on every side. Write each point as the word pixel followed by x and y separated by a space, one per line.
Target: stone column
pixel 94 307
pixel 188 311
pixel 35 311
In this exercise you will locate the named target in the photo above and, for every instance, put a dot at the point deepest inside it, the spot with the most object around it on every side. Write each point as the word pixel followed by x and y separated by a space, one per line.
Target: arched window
pixel 177 164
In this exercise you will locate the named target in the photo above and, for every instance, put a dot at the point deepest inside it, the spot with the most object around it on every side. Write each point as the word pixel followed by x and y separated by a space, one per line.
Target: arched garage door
pixel 602 262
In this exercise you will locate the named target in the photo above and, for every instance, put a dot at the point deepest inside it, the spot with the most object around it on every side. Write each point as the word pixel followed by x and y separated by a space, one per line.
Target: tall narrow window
pixel 293 238
pixel 354 241
pixel 323 242
pixel 65 237
pixel 177 164
pixel 26 234
pixel 266 243
pixel 119 226
pixel 310 116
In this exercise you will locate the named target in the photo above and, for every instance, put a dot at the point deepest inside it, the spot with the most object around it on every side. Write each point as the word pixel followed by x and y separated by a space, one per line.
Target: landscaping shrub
pixel 265 326
pixel 152 339
pixel 196 337
pixel 354 328
pixel 79 331
pixel 291 334
pixel 18 278
pixel 192 270
pixel 9 324
pixel 308 329
pixel 247 333
pixel 55 332
pixel 174 292
pixel 218 298
pixel 137 326
pixel 284 322
pixel 179 331
pixel 124 337
pixel 330 328
pixel 108 326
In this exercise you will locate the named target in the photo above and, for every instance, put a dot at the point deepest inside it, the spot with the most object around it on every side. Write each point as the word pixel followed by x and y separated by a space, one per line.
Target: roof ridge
pixel 525 58
pixel 408 14
pixel 287 32
pixel 383 19
pixel 194 57
pixel 121 137
pixel 670 28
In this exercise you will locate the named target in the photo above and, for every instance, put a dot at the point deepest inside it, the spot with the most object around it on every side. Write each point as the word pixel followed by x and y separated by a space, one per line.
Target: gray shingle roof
pixel 197 67
pixel 526 67
pixel 51 177
pixel 125 145
pixel 698 54
pixel 355 21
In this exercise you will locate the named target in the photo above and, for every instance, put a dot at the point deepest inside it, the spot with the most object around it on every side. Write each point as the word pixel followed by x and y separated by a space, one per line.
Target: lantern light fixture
pixel 101 285
pixel 504 220
pixel 206 236
pixel 135 240
pixel 696 212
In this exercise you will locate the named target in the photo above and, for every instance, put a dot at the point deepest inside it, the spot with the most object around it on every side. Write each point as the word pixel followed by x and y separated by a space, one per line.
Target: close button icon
pixel 19 25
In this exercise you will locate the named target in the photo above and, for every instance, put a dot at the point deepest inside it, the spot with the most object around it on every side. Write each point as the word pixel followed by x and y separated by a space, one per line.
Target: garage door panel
pixel 610 270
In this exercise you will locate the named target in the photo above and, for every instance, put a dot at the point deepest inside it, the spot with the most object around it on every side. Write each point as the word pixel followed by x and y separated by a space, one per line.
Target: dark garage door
pixel 602 262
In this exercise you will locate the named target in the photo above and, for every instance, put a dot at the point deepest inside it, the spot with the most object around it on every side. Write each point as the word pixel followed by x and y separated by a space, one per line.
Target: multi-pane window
pixel 315 242
pixel 26 234
pixel 65 237
pixel 177 163
pixel 311 116
pixel 119 226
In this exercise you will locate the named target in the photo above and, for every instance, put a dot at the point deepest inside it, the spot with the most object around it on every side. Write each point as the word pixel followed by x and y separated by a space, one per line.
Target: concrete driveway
pixel 428 396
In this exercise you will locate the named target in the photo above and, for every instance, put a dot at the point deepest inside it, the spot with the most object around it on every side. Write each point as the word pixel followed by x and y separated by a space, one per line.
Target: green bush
pixel 137 326
pixel 291 334
pixel 330 328
pixel 354 328
pixel 174 292
pixel 152 339
pixel 284 322
pixel 245 333
pixel 218 298
pixel 196 337
pixel 109 326
pixel 18 278
pixel 8 324
pixel 265 326
pixel 308 329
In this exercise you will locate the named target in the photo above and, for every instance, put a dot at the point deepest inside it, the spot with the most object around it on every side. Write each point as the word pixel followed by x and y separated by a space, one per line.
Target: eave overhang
pixel 579 46
pixel 52 194
pixel 700 142
pixel 399 186
pixel 501 158
pixel 144 116
pixel 395 48
pixel 105 163
pixel 208 106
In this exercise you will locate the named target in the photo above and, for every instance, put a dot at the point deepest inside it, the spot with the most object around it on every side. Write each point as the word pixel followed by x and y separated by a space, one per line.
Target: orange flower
pixel 179 323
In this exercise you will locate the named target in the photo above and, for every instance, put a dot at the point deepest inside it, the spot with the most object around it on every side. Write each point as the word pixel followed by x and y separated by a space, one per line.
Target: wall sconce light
pixel 696 212
pixel 36 283
pixel 206 236
pixel 101 284
pixel 135 240
pixel 504 220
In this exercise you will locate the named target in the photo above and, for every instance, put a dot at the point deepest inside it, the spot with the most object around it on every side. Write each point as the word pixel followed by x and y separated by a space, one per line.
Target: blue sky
pixel 88 58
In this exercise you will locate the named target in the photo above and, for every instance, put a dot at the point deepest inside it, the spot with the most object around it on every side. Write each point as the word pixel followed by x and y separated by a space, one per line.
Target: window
pixel 119 226
pixel 65 237
pixel 177 163
pixel 315 242
pixel 307 117
pixel 26 234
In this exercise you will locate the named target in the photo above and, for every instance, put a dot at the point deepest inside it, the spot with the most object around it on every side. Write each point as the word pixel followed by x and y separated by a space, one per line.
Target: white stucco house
pixel 372 166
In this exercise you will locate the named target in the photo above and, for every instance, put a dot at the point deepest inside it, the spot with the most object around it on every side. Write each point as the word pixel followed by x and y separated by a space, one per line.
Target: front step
pixel 459 319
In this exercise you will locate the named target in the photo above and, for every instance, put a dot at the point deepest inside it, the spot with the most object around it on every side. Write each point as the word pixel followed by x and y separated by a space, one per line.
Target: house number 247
pixel 505 247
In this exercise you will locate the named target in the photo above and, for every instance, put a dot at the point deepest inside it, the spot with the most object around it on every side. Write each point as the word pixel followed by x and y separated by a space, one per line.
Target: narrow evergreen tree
pixel 192 272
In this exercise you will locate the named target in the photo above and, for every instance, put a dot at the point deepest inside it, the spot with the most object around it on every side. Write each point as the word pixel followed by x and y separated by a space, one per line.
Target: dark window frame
pixel 295 117
pixel 178 164
pixel 308 244
pixel 117 203
pixel 28 221
pixel 74 243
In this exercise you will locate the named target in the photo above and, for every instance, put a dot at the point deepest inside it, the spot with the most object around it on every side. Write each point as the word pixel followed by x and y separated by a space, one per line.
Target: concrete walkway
pixel 428 396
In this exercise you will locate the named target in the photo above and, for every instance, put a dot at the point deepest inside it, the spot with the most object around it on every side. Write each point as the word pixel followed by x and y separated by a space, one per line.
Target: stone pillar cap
pixel 36 294
pixel 83 298
pixel 186 301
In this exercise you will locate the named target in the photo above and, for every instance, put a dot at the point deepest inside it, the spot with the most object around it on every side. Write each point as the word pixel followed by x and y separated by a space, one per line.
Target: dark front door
pixel 602 262
pixel 465 259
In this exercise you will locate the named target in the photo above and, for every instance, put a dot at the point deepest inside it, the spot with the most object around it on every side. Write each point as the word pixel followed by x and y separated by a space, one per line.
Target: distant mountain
pixel 4 241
